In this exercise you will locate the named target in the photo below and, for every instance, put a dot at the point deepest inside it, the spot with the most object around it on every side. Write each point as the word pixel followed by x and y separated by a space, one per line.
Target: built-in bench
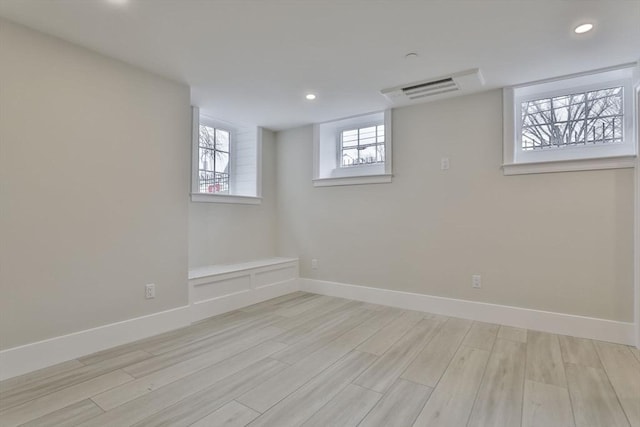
pixel 216 289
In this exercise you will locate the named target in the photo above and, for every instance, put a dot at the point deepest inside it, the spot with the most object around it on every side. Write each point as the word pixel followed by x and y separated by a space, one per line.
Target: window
pixel 226 160
pixel 362 146
pixel 213 154
pixel 355 150
pixel 572 123
pixel 578 119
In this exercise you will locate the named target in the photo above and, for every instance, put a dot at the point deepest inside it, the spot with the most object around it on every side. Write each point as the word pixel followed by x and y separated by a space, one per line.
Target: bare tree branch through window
pixel 579 119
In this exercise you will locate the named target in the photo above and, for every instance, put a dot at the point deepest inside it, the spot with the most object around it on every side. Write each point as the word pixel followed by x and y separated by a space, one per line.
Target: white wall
pixel 557 242
pixel 226 233
pixel 94 182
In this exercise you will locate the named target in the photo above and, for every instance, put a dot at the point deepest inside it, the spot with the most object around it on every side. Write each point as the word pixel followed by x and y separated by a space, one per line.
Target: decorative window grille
pixel 362 146
pixel 213 154
pixel 580 119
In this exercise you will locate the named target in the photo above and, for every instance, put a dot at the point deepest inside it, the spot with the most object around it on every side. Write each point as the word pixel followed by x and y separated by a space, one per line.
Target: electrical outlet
pixel 314 264
pixel 150 291
pixel 476 281
pixel 444 163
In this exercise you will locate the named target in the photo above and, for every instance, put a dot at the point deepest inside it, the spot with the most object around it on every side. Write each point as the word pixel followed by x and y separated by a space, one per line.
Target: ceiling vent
pixel 461 83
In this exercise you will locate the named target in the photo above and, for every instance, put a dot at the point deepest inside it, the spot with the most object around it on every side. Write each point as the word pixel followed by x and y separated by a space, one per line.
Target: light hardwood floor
pixel 311 360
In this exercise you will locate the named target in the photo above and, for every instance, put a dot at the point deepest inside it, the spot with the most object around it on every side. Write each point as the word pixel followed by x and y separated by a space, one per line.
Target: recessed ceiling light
pixel 583 28
pixel 118 2
pixel 411 55
pixel 310 96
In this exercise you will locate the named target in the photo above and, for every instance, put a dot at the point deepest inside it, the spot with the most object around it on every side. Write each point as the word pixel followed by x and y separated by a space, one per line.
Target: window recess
pixel 226 161
pixel 354 150
pixel 579 122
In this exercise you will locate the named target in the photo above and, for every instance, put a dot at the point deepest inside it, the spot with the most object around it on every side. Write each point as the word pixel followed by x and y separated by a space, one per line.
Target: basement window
pixel 213 160
pixel 362 146
pixel 579 122
pixel 225 161
pixel 354 150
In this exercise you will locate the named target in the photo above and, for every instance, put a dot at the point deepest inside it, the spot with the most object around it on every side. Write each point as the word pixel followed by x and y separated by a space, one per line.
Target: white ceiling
pixel 253 61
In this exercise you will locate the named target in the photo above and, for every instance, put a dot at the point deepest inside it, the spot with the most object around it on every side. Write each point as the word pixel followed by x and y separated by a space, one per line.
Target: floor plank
pixel 579 351
pixel 430 364
pixel 452 400
pixel 332 305
pixel 38 376
pixel 624 374
pixel 210 326
pixel 481 336
pixel 593 400
pixel 208 400
pixel 182 390
pixel 304 402
pixel 263 397
pixel 33 390
pixel 69 416
pixel 347 408
pixel 399 407
pixel 279 303
pixel 544 359
pixel 499 400
pixel 218 350
pixel 318 339
pixel 383 340
pixel 513 334
pixel 297 309
pixel 145 385
pixel 546 405
pixel 233 414
pixel 388 368
pixel 215 334
pixel 317 324
pixel 62 398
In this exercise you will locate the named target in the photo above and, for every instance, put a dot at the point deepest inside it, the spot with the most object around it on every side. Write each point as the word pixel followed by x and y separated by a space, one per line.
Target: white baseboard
pixel 30 357
pixel 558 323
pixel 213 290
pixel 222 304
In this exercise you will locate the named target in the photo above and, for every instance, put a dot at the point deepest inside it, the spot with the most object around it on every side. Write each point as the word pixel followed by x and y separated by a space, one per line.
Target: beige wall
pixel 226 233
pixel 94 182
pixel 558 242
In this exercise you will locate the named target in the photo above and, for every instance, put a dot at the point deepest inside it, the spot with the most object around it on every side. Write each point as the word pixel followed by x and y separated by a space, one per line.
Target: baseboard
pixel 213 290
pixel 558 323
pixel 222 304
pixel 30 357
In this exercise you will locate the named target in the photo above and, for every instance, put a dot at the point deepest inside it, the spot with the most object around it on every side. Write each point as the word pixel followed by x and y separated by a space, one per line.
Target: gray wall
pixel 559 242
pixel 222 233
pixel 94 183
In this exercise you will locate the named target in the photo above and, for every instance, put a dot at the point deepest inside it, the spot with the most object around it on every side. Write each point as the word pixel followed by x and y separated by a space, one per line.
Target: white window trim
pixel 353 180
pixel 374 173
pixel 225 198
pixel 198 197
pixel 575 159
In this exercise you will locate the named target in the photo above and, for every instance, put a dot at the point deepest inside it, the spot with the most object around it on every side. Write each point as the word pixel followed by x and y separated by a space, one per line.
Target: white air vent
pixel 442 87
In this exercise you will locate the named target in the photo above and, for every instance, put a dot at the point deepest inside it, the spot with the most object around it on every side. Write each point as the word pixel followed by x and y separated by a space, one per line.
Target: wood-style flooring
pixel 311 360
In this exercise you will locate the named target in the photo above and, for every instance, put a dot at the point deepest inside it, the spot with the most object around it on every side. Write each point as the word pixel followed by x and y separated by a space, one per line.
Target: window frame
pixel 195 194
pixel 582 157
pixel 327 169
pixel 340 148
pixel 216 127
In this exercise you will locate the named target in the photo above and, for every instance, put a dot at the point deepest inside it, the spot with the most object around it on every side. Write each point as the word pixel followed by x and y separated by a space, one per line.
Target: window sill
pixel 353 180
pixel 225 198
pixel 620 162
